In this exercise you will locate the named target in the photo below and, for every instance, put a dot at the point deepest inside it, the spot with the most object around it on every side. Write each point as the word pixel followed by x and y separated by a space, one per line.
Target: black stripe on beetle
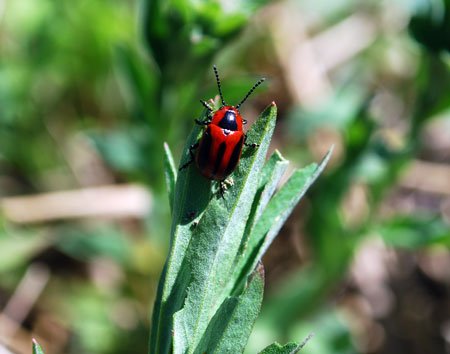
pixel 219 157
pixel 235 156
pixel 204 150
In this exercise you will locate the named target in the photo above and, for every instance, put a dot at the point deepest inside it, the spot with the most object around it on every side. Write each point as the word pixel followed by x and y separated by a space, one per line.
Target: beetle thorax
pixel 228 117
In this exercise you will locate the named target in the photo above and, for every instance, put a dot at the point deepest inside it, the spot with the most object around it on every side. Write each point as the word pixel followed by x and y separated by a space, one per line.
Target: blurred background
pixel 90 90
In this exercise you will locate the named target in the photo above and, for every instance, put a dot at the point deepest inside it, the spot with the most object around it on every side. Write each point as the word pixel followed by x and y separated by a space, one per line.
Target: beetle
pixel 220 147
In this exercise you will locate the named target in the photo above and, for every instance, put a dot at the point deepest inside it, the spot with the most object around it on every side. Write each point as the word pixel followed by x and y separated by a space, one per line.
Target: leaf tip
pixel 328 154
pixel 36 347
pixel 259 269
pixel 304 342
pixel 273 104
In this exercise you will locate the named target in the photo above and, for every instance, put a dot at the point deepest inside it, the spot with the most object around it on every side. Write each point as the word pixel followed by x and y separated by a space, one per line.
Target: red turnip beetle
pixel 220 147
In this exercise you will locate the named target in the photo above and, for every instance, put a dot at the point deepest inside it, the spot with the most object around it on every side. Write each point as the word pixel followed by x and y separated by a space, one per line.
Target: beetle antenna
pixel 251 90
pixel 218 85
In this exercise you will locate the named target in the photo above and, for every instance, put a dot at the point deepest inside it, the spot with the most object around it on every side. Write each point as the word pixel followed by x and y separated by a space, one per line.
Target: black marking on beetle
pixel 204 149
pixel 228 121
pixel 234 159
pixel 220 153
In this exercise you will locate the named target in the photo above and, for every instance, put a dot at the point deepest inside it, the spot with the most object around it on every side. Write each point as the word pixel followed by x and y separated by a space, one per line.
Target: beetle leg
pixel 191 152
pixel 207 106
pixel 222 188
pixel 247 144
pixel 209 114
pixel 204 122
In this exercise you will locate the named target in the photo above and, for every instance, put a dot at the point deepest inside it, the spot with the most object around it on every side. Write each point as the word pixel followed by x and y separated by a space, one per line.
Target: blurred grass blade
pixel 36 347
pixel 414 231
pixel 170 173
pixel 16 250
pixel 211 254
pixel 230 327
pixel 275 214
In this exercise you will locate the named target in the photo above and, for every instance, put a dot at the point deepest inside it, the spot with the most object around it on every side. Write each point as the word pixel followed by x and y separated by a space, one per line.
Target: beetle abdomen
pixel 219 152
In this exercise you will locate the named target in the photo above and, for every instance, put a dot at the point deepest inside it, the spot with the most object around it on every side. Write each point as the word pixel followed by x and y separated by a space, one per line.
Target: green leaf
pixel 414 231
pixel 270 176
pixel 284 201
pixel 290 348
pixel 275 214
pixel 192 194
pixel 36 347
pixel 277 348
pixel 216 240
pixel 345 105
pixel 138 78
pixel 430 24
pixel 230 327
pixel 170 173
pixel 17 250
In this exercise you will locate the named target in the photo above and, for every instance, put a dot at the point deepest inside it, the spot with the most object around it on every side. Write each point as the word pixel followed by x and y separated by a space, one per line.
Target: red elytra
pixel 220 147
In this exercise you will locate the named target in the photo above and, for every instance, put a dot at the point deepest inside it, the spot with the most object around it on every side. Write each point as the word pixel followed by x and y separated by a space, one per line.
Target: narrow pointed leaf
pixel 36 347
pixel 216 240
pixel 284 201
pixel 270 176
pixel 277 348
pixel 230 328
pixel 290 348
pixel 170 173
pixel 276 213
pixel 273 170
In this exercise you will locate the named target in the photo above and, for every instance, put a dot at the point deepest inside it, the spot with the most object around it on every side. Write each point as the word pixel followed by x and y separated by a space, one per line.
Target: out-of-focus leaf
pixel 414 231
pixel 434 94
pixel 17 250
pixel 430 25
pixel 194 30
pixel 339 112
pixel 86 244
pixel 123 149
pixel 170 173
pixel 139 81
